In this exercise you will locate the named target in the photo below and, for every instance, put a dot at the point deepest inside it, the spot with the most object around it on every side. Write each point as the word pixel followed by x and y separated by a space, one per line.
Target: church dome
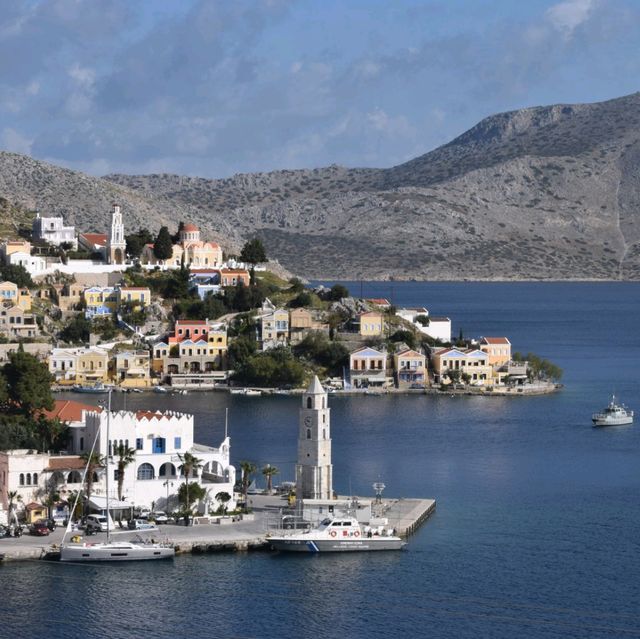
pixel 190 228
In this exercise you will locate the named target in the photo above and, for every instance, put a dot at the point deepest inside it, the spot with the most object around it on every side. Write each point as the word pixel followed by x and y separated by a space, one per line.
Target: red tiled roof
pixel 496 340
pixel 67 410
pixel 66 462
pixel 95 238
pixel 148 414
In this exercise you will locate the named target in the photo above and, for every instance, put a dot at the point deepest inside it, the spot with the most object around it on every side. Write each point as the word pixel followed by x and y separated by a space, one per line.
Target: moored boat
pixel 613 415
pixel 339 534
pixel 99 387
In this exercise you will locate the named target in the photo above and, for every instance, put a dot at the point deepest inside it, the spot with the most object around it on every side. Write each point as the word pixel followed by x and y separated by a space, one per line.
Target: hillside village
pixel 174 312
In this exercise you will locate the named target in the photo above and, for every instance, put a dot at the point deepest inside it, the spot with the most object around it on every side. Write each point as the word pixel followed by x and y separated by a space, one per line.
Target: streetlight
pixel 378 487
pixel 168 484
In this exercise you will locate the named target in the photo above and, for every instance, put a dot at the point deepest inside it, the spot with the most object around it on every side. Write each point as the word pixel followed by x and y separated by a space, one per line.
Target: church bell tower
pixel 116 244
pixel 314 471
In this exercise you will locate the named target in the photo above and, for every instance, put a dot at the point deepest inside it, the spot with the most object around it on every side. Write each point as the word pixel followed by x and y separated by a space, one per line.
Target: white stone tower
pixel 314 472
pixel 116 244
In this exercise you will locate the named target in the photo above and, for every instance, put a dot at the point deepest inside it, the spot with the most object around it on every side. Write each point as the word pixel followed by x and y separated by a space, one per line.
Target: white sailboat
pixel 132 550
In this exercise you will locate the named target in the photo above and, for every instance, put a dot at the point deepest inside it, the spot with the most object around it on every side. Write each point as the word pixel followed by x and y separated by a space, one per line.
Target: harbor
pixel 231 534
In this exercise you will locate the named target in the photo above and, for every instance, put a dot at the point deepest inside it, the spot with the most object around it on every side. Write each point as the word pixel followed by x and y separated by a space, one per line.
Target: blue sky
pixel 217 87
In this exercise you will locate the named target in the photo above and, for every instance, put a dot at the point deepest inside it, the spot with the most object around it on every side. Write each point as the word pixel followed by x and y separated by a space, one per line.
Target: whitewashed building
pixel 160 441
pixel 438 328
pixel 53 231
pixel 33 264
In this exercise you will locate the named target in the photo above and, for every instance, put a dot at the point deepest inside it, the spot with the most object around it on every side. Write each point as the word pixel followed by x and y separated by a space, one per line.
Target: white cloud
pixel 568 15
pixel 83 76
pixel 382 122
pixel 14 141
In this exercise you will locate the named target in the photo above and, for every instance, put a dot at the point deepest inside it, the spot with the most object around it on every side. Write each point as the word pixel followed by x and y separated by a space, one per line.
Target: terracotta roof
pixel 191 322
pixel 235 270
pixel 34 506
pixel 66 462
pixel 67 410
pixel 190 228
pixel 95 238
pixel 134 288
pixel 495 340
pixel 379 301
pixel 148 414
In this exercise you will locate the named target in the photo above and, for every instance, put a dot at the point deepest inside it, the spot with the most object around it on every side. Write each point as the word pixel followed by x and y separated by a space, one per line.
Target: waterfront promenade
pixel 405 515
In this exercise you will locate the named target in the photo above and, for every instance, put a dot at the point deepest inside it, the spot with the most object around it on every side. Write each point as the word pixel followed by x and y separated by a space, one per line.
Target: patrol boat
pixel 613 415
pixel 339 534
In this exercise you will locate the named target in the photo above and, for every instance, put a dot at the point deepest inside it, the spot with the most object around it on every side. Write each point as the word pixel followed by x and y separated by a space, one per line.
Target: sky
pixel 216 87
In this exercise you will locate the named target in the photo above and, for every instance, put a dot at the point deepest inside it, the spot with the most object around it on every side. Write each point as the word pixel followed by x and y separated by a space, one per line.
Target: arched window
pixel 324 418
pixel 324 433
pixel 22 479
pixel 308 433
pixel 35 479
pixel 28 479
pixel 324 402
pixel 146 472
pixel 167 470
pixel 82 443
pixel 308 402
pixel 74 477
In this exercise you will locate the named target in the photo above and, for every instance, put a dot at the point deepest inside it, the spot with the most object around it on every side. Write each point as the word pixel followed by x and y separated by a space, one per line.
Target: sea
pixel 537 527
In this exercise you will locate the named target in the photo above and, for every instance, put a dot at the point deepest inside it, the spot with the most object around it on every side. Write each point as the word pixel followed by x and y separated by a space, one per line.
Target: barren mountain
pixel 540 193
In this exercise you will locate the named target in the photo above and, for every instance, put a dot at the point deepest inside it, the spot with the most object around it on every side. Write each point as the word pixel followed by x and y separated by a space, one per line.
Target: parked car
pixel 159 517
pixel 142 513
pixel 39 527
pixel 96 523
pixel 140 524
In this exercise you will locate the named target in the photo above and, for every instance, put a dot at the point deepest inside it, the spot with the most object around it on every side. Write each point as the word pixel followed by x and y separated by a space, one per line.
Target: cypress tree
pixel 163 247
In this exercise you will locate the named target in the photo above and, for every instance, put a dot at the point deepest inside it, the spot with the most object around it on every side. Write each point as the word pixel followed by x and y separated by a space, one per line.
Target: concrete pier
pixel 405 515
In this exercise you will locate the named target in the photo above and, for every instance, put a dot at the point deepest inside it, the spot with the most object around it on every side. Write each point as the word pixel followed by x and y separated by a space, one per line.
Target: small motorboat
pixel 97 388
pixel 161 390
pixel 613 415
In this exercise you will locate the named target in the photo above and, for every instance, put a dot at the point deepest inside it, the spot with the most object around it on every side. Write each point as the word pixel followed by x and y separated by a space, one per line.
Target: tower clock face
pixel 307 421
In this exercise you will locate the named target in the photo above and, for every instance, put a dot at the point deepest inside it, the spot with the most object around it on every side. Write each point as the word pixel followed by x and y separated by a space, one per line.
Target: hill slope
pixel 546 192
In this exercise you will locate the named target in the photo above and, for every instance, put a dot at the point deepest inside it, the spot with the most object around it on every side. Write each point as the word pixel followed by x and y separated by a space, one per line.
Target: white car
pixel 140 524
pixel 96 523
pixel 159 517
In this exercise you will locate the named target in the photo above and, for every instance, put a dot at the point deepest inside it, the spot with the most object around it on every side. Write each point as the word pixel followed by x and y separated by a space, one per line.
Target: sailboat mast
pixel 107 465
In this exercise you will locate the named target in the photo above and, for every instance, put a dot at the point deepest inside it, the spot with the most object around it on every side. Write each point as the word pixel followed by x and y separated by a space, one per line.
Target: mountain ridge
pixel 538 193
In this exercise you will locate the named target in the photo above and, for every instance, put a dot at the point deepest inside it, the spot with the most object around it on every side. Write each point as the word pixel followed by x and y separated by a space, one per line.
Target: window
pixel 146 472
pixel 159 445
pixel 82 443
pixel 22 479
pixel 28 479
pixel 308 433
pixel 35 479
pixel 308 402
pixel 139 443
pixel 177 442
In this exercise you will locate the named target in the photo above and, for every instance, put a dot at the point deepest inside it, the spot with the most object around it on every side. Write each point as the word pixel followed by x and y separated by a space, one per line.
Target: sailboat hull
pixel 120 551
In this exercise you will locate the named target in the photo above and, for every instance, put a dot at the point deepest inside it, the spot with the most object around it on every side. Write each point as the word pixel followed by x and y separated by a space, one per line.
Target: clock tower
pixel 314 472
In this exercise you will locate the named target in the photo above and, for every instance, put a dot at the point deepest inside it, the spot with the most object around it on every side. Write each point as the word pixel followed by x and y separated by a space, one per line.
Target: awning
pixel 100 503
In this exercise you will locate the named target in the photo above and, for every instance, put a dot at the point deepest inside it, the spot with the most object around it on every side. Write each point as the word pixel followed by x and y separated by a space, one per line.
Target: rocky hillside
pixel 540 193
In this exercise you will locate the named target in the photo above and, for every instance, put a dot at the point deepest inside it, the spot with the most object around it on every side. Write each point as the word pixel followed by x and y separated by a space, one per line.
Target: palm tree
pixel 269 471
pixel 13 495
pixel 126 456
pixel 248 468
pixel 190 463
pixel 223 498
pixel 74 511
pixel 93 461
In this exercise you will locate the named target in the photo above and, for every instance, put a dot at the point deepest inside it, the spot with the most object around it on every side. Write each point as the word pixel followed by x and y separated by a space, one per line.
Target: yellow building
pixel 14 246
pixel 100 300
pixel 92 366
pixel 461 363
pixel 133 369
pixel 371 324
pixel 411 368
pixel 9 292
pixel 190 249
pixel 498 349
pixel 136 295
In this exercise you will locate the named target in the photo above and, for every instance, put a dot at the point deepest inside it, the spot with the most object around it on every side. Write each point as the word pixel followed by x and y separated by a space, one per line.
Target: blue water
pixel 536 532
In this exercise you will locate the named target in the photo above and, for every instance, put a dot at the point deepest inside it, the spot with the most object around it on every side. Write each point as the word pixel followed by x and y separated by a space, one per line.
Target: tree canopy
pixel 136 242
pixel 163 246
pixel 253 252
pixel 17 274
pixel 28 383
